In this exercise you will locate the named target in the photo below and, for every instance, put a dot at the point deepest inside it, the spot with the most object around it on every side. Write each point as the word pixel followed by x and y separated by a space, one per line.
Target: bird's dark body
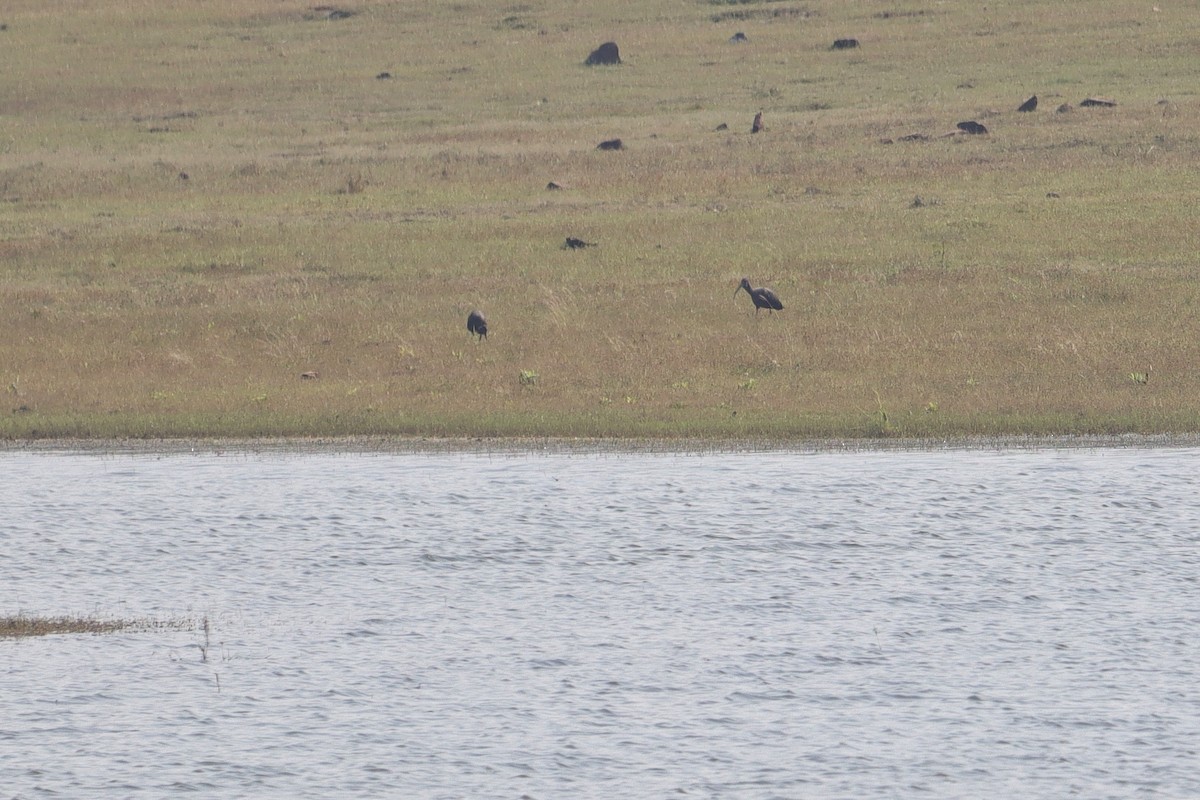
pixel 477 325
pixel 762 297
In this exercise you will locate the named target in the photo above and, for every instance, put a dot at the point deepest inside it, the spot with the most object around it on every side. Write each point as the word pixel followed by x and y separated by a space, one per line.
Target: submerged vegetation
pixel 19 626
pixel 289 241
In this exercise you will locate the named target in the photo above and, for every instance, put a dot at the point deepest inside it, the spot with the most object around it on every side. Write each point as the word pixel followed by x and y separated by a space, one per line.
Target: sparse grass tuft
pixel 18 626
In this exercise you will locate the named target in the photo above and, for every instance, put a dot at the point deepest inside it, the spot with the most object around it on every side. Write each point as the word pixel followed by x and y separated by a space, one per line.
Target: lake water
pixel 958 624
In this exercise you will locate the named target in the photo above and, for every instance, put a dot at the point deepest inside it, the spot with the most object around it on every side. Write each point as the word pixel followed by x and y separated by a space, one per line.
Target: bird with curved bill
pixel 762 297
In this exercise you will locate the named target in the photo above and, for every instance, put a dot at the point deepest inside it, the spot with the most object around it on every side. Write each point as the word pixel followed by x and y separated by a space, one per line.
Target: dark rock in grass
pixel 1028 105
pixel 383 76
pixel 576 244
pixel 722 127
pixel 738 38
pixel 1098 102
pixel 611 144
pixel 972 127
pixel 844 44
pixel 1065 108
pixel 605 54
pixel 477 325
pixel 554 187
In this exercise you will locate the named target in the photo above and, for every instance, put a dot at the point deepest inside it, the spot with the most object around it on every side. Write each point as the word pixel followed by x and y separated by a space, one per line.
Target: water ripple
pixel 866 625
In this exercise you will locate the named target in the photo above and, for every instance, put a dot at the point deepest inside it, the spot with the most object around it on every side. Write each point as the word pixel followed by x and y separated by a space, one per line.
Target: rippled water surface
pixel 793 625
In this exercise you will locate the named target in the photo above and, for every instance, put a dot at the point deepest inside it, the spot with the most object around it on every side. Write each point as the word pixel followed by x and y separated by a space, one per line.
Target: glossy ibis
pixel 762 297
pixel 477 325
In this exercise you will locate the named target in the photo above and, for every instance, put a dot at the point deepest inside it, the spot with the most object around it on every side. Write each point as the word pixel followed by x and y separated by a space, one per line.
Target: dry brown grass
pixel 335 222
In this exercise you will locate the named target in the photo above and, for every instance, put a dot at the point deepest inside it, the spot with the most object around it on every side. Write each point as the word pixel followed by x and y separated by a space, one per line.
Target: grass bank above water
pixel 175 256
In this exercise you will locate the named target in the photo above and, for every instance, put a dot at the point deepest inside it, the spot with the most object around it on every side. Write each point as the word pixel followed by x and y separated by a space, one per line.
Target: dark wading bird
pixel 762 297
pixel 477 325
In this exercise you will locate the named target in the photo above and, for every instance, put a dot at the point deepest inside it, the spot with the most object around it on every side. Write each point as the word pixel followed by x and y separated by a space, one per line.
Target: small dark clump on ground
pixel 477 325
pixel 611 144
pixel 844 44
pixel 576 244
pixel 605 54
pixel 1028 105
pixel 971 126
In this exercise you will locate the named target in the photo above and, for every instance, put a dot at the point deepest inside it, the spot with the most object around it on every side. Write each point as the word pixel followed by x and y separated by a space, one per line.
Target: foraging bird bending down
pixel 477 325
pixel 762 297
pixel 757 125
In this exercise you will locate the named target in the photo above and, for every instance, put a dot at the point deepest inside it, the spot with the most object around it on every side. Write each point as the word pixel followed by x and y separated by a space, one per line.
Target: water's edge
pixel 393 444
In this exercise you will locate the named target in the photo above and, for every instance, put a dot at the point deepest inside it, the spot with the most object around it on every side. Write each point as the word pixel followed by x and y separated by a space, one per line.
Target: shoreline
pixel 584 446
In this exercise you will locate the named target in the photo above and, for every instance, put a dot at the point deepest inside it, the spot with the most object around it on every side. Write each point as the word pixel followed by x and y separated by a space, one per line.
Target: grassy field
pixel 202 202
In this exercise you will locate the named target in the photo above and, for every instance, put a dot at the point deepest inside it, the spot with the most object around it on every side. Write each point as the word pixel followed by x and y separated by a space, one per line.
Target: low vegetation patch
pixel 21 625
